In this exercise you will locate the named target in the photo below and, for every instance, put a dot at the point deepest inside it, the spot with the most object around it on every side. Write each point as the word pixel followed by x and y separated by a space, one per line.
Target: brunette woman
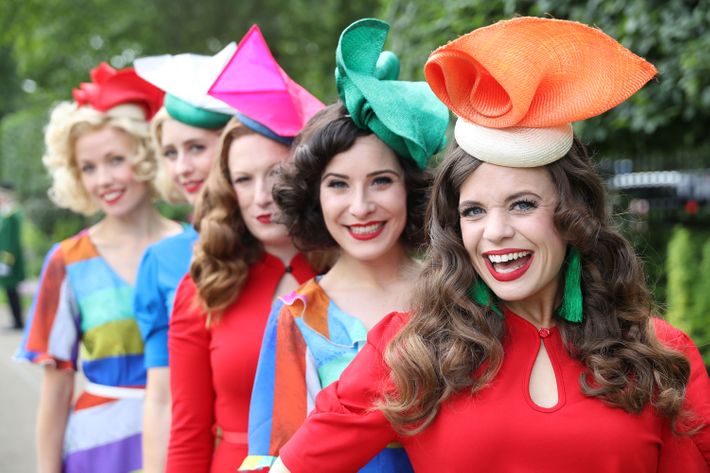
pixel 242 261
pixel 531 345
pixel 358 184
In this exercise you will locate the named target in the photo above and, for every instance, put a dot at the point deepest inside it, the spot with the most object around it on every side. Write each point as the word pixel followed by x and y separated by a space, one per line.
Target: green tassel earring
pixel 571 308
pixel 482 295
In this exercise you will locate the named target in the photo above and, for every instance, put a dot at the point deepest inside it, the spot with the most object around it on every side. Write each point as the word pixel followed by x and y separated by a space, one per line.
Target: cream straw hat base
pixel 514 146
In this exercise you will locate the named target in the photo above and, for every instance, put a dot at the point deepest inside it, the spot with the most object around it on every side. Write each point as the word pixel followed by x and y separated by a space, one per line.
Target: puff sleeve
pixel 343 415
pixel 53 334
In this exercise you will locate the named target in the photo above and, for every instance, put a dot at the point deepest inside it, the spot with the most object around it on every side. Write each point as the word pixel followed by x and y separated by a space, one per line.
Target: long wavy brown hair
pixel 449 337
pixel 226 248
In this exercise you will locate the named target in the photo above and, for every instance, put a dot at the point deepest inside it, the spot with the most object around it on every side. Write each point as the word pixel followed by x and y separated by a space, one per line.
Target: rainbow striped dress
pixel 83 312
pixel 307 344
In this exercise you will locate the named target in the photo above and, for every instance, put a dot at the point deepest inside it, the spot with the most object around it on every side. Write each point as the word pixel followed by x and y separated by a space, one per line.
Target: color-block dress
pixel 308 343
pixel 163 265
pixel 84 311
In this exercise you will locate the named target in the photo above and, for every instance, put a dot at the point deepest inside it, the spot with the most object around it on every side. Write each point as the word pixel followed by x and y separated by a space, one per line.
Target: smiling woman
pixel 531 344
pixel 509 233
pixel 106 173
pixel 357 184
pixel 100 159
pixel 186 136
pixel 242 261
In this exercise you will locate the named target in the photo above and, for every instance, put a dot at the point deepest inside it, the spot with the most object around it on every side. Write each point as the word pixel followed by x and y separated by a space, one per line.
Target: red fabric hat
pixel 109 88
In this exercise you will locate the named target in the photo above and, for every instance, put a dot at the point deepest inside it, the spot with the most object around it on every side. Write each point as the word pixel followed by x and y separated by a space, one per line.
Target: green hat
pixel 407 116
pixel 189 114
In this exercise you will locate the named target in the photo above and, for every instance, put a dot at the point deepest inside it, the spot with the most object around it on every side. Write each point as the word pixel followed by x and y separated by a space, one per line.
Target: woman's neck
pixel 376 274
pixel 538 309
pixel 143 224
pixel 285 252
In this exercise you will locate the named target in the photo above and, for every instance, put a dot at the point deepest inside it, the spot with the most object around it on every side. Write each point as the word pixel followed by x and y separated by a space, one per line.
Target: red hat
pixel 109 88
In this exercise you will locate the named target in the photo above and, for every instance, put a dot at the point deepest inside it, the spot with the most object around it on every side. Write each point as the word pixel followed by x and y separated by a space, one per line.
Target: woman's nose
pixel 183 164
pixel 498 226
pixel 262 195
pixel 361 204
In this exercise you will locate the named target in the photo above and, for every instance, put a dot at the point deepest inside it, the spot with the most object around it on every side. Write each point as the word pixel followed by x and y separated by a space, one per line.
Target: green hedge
pixel 688 288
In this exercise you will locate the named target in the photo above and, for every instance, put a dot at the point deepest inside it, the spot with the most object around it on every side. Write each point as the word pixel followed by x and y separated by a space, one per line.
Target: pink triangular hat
pixel 255 85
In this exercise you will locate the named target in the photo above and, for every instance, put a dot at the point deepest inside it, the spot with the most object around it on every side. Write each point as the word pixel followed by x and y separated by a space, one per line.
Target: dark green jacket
pixel 12 263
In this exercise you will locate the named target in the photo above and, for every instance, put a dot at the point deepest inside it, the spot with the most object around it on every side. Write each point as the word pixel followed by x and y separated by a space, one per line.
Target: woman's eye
pixel 524 205
pixel 116 160
pixel 170 154
pixel 197 148
pixel 241 180
pixel 87 168
pixel 472 212
pixel 337 184
pixel 382 181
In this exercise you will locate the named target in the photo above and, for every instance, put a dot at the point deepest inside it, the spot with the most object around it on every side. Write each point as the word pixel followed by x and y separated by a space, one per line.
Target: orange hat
pixel 517 85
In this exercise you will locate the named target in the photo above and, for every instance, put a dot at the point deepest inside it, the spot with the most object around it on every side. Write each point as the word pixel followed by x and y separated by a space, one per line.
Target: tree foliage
pixel 48 46
pixel 669 114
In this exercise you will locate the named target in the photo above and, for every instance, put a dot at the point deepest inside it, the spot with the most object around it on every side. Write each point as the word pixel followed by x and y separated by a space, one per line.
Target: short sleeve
pixel 150 308
pixel 52 332
pixel 281 397
pixel 343 416
pixel 697 396
pixel 193 397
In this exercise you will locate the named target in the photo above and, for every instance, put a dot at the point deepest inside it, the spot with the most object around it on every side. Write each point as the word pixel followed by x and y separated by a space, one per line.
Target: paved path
pixel 19 393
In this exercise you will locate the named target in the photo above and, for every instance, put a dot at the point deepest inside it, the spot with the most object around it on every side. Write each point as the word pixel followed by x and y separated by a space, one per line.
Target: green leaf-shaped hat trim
pixel 405 115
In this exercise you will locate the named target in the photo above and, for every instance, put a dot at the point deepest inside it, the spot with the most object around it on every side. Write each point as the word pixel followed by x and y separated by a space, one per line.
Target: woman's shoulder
pixel 671 336
pixel 186 306
pixel 186 288
pixel 386 329
pixel 173 247
pixel 75 248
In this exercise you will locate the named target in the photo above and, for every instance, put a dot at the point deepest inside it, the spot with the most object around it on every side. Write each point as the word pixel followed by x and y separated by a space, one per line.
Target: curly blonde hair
pixel 67 123
pixel 169 192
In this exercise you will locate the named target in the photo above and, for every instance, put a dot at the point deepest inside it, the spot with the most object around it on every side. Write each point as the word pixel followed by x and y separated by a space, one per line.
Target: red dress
pixel 500 429
pixel 212 370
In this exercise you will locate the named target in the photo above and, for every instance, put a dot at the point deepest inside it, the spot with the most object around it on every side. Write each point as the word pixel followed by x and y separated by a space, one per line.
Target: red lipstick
pixel 365 233
pixel 192 186
pixel 264 218
pixel 512 275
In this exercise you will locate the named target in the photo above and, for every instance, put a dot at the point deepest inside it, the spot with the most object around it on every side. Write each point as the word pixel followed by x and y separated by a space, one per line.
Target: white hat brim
pixel 517 147
pixel 187 76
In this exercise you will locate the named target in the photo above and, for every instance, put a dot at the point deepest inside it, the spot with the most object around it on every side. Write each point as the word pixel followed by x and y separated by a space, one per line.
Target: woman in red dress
pixel 531 345
pixel 242 261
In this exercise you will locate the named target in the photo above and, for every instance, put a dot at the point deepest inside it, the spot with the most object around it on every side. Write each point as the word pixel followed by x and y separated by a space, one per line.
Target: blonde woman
pixel 186 137
pixel 100 159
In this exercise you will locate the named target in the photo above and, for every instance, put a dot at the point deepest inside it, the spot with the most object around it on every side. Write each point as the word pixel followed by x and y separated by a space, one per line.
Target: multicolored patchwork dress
pixel 84 311
pixel 307 344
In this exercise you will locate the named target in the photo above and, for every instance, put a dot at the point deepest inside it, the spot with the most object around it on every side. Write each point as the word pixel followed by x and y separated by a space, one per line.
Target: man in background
pixel 12 267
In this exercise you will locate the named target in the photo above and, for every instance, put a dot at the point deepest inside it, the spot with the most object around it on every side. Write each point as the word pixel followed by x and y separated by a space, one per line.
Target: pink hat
pixel 255 85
